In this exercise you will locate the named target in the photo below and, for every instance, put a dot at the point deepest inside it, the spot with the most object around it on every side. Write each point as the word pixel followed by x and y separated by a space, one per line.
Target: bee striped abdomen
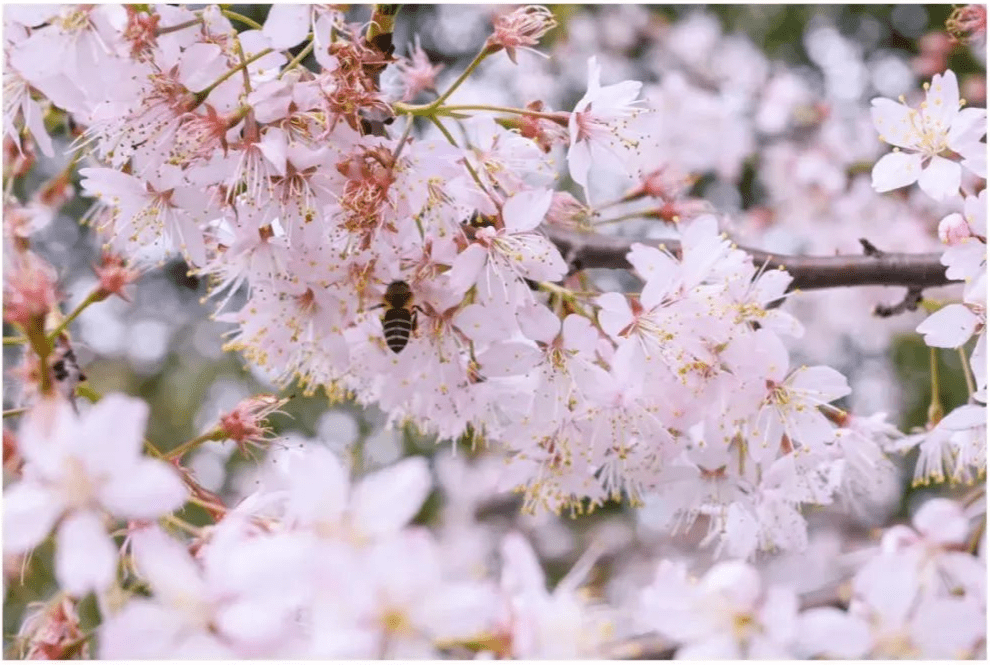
pixel 397 325
pixel 399 320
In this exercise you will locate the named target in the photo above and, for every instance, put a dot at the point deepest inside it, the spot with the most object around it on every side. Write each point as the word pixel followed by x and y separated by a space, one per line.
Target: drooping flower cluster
pixel 955 448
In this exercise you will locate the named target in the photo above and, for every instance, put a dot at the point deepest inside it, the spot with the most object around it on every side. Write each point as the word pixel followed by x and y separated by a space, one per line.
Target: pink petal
pixel 464 272
pixel 521 571
pixel 942 100
pixel 29 512
pixel 144 490
pixel 508 359
pixel 949 327
pixel 385 501
pixel 579 163
pixel 941 521
pixel 524 211
pixel 113 432
pixel 85 556
pixel 941 178
pixel 538 323
pixel 893 121
pixel 320 486
pixel 167 565
pixel 287 24
pixel 827 632
pixel 896 170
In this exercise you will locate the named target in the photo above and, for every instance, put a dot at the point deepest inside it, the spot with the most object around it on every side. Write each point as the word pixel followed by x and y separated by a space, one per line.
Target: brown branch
pixel 915 271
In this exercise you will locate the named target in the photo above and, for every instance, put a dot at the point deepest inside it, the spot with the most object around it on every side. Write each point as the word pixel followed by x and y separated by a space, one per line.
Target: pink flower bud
pixel 953 229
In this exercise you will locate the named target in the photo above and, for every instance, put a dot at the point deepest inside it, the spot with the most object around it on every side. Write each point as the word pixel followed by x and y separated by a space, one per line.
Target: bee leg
pixel 415 319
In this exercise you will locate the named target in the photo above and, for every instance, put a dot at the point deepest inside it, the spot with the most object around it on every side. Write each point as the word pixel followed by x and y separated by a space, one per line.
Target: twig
pixel 870 249
pixel 909 304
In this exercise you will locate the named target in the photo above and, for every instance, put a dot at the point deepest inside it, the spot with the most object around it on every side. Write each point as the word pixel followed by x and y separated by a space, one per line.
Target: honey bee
pixel 400 317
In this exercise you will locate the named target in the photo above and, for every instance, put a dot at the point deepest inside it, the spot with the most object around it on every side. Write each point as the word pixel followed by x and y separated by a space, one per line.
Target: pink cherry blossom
pixel 599 122
pixel 79 470
pixel 926 134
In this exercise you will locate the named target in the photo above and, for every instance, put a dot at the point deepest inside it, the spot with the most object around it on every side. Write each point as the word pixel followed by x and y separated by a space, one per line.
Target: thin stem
pixel 182 449
pixel 153 450
pixel 86 392
pixel 450 138
pixel 244 71
pixel 641 214
pixel 402 140
pixel 967 372
pixel 560 118
pixel 14 340
pixel 201 96
pixel 90 298
pixel 14 412
pixel 482 54
pixel 179 26
pixel 299 58
pixel 974 541
pixel 565 294
pixel 182 524
pixel 240 17
pixel 935 408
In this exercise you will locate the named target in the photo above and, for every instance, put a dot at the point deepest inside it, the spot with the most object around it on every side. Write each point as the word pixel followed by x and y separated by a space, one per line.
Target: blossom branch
pixel 915 271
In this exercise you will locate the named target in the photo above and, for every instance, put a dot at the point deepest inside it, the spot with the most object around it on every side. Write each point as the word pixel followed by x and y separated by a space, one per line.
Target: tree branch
pixel 915 271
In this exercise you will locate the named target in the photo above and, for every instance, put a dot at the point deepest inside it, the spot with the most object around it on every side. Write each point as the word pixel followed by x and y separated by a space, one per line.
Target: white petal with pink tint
pixel 147 489
pixel 85 557
pixel 949 327
pixel 386 500
pixel 896 170
pixel 29 513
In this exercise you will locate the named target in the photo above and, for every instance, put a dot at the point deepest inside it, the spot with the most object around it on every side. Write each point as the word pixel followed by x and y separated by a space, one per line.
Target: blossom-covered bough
pixel 290 163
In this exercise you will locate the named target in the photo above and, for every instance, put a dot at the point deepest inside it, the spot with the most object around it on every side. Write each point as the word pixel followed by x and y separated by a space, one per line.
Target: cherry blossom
pixel 598 124
pixel 77 470
pixel 925 134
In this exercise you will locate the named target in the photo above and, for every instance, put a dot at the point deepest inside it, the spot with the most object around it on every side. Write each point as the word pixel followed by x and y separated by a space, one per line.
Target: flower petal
pixel 896 170
pixel 524 211
pixel 85 556
pixel 385 501
pixel 949 327
pixel 145 490
pixel 29 512
pixel 893 122
pixel 941 178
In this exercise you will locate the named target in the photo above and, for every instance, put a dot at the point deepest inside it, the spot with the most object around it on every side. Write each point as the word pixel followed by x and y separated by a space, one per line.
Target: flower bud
pixel 953 229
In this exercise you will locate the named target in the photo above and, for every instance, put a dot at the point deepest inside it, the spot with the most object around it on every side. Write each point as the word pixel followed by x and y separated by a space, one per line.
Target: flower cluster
pixel 955 447
pixel 271 181
pixel 916 597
